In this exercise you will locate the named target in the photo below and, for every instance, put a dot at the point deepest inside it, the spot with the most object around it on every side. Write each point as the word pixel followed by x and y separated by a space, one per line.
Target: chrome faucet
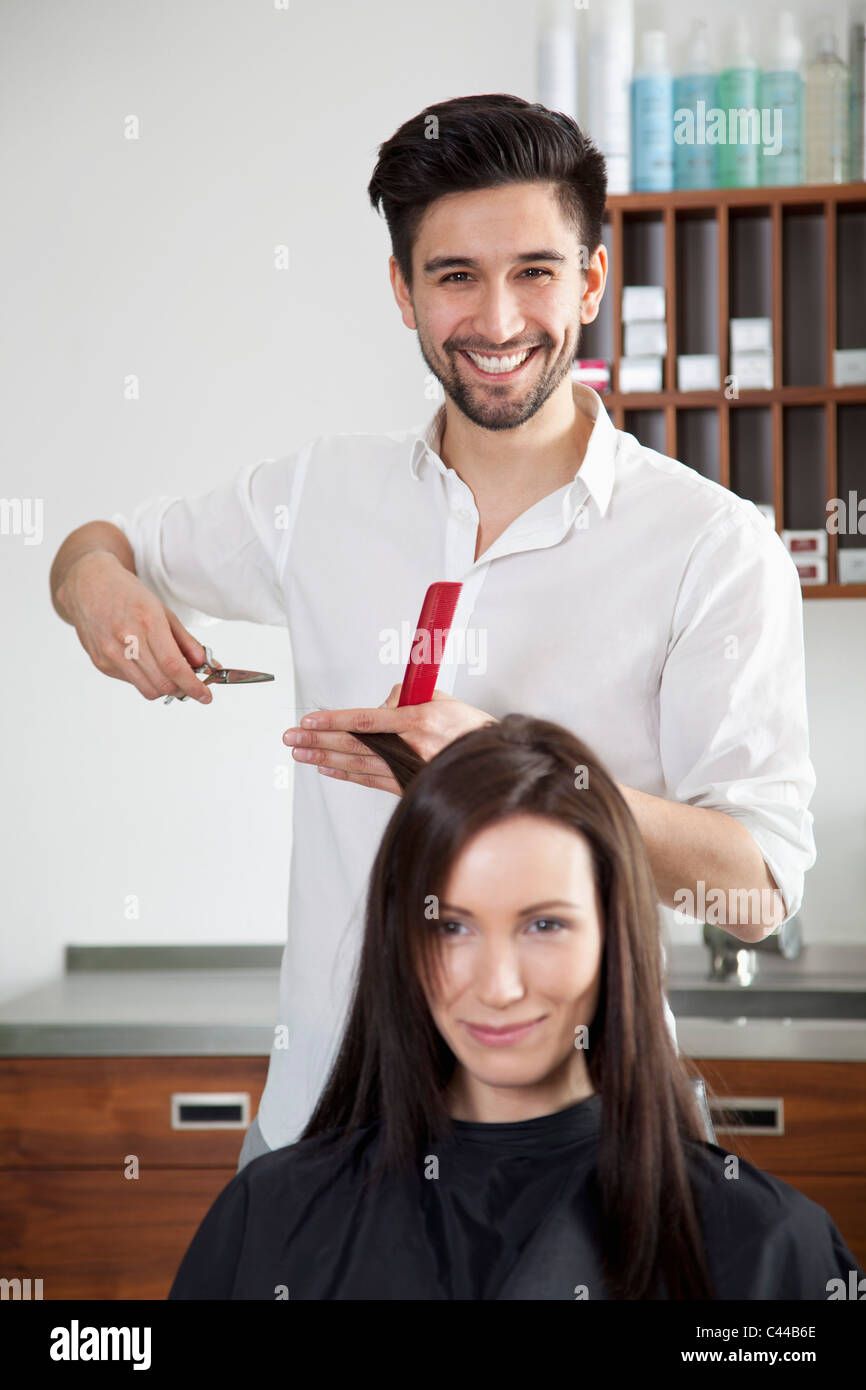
pixel 737 961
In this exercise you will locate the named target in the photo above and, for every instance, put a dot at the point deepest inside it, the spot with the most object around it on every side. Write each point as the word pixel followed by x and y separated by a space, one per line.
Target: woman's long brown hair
pixel 393 1065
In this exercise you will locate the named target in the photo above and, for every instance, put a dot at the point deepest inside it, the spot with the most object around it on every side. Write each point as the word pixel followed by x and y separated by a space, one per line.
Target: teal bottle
pixel 652 109
pixel 695 96
pixel 738 152
pixel 782 109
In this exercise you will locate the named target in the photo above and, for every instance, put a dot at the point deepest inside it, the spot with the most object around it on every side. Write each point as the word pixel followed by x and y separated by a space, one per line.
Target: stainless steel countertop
pixel 161 1001
pixel 196 1001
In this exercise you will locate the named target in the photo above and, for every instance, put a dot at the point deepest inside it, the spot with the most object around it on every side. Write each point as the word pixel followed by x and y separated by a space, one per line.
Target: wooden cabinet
pixel 72 1131
pixel 70 1128
pixel 821 1148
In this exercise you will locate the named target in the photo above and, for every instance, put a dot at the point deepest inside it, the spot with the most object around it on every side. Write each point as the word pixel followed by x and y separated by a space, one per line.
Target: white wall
pixel 258 126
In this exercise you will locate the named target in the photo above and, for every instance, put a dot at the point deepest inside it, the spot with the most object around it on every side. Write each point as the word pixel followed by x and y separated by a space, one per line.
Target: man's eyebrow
pixel 451 262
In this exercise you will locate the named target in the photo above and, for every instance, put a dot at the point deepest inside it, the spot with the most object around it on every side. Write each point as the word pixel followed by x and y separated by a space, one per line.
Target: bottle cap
pixel 790 47
pixel 740 45
pixel 654 49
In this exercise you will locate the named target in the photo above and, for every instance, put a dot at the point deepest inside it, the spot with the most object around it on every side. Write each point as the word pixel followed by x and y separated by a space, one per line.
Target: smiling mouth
pixel 500 368
pixel 508 1034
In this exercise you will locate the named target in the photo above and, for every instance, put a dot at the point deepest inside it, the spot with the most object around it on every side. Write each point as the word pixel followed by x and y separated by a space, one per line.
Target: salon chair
pixel 700 1090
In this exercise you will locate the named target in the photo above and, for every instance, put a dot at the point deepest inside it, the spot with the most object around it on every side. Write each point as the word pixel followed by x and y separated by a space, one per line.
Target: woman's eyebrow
pixel 521 912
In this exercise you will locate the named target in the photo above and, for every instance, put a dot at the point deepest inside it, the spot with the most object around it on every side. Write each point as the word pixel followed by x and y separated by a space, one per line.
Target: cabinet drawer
pixel 823 1111
pixel 94 1111
pixel 99 1235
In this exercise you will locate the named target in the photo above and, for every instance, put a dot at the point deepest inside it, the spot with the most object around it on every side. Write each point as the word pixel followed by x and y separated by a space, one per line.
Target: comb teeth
pixel 443 603
pixel 437 614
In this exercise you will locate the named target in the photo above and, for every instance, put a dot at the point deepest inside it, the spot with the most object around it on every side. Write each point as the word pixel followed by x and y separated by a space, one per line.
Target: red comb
pixel 434 624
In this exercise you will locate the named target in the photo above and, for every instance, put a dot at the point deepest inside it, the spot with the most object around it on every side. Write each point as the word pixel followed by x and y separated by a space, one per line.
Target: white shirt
pixel 651 611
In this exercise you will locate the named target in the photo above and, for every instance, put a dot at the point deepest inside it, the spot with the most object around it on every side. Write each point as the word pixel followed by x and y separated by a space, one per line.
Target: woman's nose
pixel 498 976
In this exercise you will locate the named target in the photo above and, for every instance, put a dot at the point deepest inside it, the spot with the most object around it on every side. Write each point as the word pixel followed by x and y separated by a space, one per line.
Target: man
pixel 617 591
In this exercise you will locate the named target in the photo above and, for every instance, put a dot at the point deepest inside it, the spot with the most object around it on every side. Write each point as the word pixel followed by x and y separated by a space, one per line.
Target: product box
pixel 751 335
pixel 592 371
pixel 753 370
pixel 640 374
pixel 849 367
pixel 851 564
pixel 643 303
pixel 698 371
pixel 811 571
pixel 646 339
pixel 806 542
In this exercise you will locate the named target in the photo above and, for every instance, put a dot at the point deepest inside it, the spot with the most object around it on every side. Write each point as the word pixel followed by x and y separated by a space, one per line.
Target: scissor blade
pixel 232 676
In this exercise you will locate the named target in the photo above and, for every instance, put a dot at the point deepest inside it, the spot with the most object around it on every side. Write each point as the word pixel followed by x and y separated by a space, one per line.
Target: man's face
pixel 500 281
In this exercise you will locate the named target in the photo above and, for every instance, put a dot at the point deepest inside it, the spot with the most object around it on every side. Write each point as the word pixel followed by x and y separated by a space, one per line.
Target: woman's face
pixel 520 942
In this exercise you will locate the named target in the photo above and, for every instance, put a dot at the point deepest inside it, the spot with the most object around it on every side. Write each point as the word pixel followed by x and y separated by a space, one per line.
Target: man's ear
pixel 401 293
pixel 596 278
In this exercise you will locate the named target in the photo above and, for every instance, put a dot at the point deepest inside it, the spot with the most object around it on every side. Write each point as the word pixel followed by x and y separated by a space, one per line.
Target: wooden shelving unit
pixel 795 255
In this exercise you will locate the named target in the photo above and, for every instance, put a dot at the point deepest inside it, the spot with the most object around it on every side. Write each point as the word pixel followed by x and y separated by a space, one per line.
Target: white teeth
pixel 499 364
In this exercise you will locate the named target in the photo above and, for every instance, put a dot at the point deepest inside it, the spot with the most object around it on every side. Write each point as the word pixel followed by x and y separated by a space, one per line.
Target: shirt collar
pixel 595 474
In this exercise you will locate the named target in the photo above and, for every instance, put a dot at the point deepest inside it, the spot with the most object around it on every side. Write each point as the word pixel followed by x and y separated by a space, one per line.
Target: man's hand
pixel 325 737
pixel 128 633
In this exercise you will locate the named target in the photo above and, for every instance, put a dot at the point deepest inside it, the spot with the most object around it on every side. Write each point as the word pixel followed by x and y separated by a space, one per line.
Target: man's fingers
pixel 169 669
pixel 362 762
pixel 189 645
pixel 131 671
pixel 335 742
pixel 381 720
pixel 367 779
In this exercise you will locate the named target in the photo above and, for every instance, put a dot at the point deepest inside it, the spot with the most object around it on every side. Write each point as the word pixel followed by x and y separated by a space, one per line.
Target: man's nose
pixel 498 318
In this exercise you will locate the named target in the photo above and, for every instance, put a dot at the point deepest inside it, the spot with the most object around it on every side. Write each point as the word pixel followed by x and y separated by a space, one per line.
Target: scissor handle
pixel 218 674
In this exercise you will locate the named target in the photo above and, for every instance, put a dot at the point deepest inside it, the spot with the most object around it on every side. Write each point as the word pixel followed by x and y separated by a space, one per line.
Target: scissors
pixel 222 675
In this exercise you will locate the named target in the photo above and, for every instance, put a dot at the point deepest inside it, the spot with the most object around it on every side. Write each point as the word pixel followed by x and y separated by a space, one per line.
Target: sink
pixel 723 1002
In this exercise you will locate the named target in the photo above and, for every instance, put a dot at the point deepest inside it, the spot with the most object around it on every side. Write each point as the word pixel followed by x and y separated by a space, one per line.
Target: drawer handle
pixel 210 1110
pixel 748 1115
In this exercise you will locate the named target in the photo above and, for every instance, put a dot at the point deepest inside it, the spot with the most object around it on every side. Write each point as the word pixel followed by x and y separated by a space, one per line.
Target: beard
pixel 508 406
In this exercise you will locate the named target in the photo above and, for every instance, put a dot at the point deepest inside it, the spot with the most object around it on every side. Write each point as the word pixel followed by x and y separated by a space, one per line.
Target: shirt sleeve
pixel 733 724
pixel 207 1270
pixel 221 555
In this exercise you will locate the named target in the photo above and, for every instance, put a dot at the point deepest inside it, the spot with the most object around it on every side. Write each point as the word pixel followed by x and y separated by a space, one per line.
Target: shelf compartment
pixel 648 428
pixel 751 430
pixel 805 468
pixel 804 296
pixel 698 441
pixel 697 300
pixel 851 271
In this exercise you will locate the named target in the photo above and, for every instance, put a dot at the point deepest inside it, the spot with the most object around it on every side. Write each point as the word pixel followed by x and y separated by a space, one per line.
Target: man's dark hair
pixel 484 142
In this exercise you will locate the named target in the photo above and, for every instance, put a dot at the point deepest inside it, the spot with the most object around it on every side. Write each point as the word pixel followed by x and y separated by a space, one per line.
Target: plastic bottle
pixel 611 46
pixel 857 78
pixel 652 110
pixel 827 114
pixel 695 94
pixel 738 92
pixel 556 57
pixel 782 105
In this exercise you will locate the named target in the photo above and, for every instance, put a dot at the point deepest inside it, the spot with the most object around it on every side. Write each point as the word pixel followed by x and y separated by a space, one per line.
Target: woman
pixel 562 1160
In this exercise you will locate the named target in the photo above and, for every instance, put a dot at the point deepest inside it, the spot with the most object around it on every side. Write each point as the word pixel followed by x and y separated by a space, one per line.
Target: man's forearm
pixel 693 845
pixel 93 536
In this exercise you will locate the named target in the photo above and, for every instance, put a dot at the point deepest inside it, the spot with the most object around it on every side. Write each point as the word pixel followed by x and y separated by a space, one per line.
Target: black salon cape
pixel 511 1215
